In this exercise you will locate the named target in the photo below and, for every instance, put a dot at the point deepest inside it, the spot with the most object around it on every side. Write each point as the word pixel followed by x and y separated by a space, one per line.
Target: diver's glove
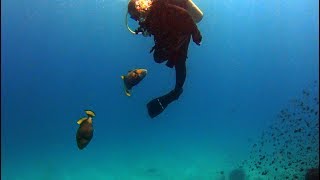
pixel 197 37
pixel 143 31
pixel 157 106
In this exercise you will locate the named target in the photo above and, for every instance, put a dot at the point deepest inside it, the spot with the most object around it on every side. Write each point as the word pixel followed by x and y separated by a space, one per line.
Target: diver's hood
pixel 135 8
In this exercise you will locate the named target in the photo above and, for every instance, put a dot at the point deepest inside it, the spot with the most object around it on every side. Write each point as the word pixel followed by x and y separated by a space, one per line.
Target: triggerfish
pixel 85 130
pixel 133 78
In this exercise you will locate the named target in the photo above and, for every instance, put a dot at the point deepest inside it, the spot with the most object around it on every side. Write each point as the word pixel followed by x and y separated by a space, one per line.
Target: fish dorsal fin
pixel 132 70
pixel 81 120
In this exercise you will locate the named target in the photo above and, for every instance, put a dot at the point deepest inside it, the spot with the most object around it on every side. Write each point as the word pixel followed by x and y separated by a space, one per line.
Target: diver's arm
pixel 182 22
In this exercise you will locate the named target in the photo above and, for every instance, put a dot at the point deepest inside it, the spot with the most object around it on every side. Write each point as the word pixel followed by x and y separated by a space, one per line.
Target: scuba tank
pixel 192 9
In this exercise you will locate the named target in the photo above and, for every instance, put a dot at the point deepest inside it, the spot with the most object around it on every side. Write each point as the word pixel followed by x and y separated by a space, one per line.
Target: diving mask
pixel 138 10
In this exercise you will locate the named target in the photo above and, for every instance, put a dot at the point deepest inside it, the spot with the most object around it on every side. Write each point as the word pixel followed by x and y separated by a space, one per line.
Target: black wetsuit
pixel 172 28
pixel 160 55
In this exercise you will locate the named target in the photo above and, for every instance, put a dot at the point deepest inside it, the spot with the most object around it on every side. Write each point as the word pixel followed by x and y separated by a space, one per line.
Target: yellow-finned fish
pixel 133 78
pixel 85 130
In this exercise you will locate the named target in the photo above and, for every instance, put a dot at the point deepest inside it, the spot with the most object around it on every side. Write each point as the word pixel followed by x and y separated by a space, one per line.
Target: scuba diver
pixel 172 23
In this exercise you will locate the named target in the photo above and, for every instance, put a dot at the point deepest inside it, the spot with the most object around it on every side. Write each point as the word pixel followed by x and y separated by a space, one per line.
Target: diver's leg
pixel 181 66
pixel 180 74
pixel 180 79
pixel 156 106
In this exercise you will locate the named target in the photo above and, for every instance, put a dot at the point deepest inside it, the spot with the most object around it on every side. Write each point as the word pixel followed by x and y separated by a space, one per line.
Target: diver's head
pixel 138 9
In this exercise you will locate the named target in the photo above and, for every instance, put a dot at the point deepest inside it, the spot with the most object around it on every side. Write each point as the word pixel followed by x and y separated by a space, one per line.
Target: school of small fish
pixel 290 145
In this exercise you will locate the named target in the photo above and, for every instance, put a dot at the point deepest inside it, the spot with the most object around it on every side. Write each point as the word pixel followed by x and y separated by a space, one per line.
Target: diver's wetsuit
pixel 172 28
pixel 161 55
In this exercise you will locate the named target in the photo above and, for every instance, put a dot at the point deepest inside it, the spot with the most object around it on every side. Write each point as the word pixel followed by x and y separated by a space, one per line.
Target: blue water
pixel 61 57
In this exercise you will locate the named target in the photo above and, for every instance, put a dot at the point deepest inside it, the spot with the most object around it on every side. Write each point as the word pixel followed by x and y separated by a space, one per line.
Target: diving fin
pixel 155 107
pixel 81 120
pixel 158 105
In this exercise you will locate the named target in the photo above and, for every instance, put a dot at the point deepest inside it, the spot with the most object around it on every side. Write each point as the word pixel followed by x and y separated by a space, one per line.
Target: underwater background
pixel 249 107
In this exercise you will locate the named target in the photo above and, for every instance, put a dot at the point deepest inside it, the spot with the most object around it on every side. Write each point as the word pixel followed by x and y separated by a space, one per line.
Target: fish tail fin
pixel 81 120
pixel 90 113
